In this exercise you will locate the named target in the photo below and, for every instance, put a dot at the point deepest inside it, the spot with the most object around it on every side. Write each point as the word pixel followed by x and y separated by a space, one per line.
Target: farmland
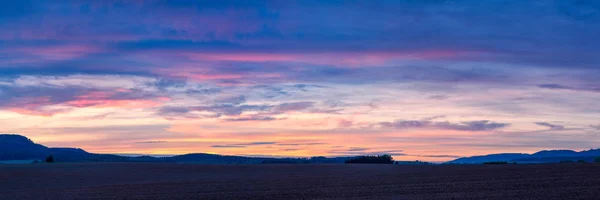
pixel 352 181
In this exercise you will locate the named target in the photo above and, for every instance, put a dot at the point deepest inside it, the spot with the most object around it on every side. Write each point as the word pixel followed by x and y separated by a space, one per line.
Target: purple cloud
pixel 481 125
pixel 551 126
pixel 251 118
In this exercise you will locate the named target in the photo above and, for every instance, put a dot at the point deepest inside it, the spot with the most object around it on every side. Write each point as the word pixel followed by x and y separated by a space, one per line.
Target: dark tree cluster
pixel 49 159
pixel 382 159
pixel 597 160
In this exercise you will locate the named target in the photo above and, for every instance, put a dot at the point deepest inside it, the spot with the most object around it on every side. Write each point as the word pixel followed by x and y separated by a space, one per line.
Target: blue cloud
pixel 551 126
pixel 481 125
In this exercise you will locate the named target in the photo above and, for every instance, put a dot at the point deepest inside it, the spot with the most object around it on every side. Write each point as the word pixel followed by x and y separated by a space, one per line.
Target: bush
pixel 50 159
pixel 495 163
pixel 581 161
pixel 597 160
pixel 383 159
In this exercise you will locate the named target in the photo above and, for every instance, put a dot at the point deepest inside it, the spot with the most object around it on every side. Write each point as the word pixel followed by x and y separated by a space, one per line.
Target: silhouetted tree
pixel 581 161
pixel 382 159
pixel 50 159
pixel 597 160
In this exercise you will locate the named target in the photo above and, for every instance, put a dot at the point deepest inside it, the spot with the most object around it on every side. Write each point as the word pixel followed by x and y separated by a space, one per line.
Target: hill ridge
pixel 543 156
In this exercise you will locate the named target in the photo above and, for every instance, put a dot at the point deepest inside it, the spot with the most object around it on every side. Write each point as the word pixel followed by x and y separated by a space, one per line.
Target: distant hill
pixel 546 156
pixel 17 147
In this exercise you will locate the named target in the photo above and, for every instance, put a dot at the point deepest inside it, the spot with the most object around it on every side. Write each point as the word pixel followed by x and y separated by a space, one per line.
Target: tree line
pixel 379 159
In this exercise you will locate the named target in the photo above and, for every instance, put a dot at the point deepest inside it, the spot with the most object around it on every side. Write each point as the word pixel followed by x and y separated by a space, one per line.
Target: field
pixel 189 181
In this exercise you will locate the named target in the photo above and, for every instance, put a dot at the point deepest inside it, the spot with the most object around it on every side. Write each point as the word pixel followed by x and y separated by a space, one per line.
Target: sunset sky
pixel 429 80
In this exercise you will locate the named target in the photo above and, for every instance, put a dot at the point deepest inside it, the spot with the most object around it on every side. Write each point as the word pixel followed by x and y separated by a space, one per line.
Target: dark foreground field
pixel 187 181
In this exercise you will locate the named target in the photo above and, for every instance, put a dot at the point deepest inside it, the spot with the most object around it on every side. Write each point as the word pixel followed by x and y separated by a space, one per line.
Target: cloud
pixel 292 149
pixel 256 143
pixel 87 81
pixel 551 126
pixel 243 145
pixel 301 144
pixel 227 146
pixel 358 151
pixel 263 112
pixel 597 127
pixel 563 87
pixel 51 95
pixel 481 125
pixel 251 118
pixel 439 97
pixel 344 123
pixel 401 124
pixel 235 100
pixel 228 48
pixel 152 142
pixel 215 111
pixel 434 117
pixel 293 106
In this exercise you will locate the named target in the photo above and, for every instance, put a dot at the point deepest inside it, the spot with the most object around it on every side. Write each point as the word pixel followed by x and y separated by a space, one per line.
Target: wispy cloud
pixel 227 146
pixel 152 142
pixel 251 118
pixel 551 126
pixel 481 125
pixel 301 144
pixel 243 145
pixel 563 87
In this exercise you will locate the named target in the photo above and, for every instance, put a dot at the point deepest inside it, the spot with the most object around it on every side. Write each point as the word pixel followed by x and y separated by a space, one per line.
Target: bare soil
pixel 190 181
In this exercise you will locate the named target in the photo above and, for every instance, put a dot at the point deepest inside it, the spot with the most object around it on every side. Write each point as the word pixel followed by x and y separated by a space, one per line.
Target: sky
pixel 421 80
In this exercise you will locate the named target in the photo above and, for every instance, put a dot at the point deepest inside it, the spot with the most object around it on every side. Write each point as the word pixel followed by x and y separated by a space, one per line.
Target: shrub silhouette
pixel 581 161
pixel 495 163
pixel 50 159
pixel 382 159
pixel 597 160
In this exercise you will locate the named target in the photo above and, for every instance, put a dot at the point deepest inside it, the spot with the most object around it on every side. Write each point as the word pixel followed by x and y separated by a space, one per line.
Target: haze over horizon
pixel 428 80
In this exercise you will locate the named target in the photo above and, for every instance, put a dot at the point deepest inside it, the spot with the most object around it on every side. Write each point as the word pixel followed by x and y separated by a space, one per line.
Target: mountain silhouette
pixel 17 147
pixel 545 156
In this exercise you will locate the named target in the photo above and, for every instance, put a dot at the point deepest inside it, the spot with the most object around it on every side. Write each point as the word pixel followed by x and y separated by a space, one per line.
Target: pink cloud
pixel 120 98
pixel 201 74
pixel 38 112
pixel 63 52
pixel 243 57
pixel 351 59
pixel 33 106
